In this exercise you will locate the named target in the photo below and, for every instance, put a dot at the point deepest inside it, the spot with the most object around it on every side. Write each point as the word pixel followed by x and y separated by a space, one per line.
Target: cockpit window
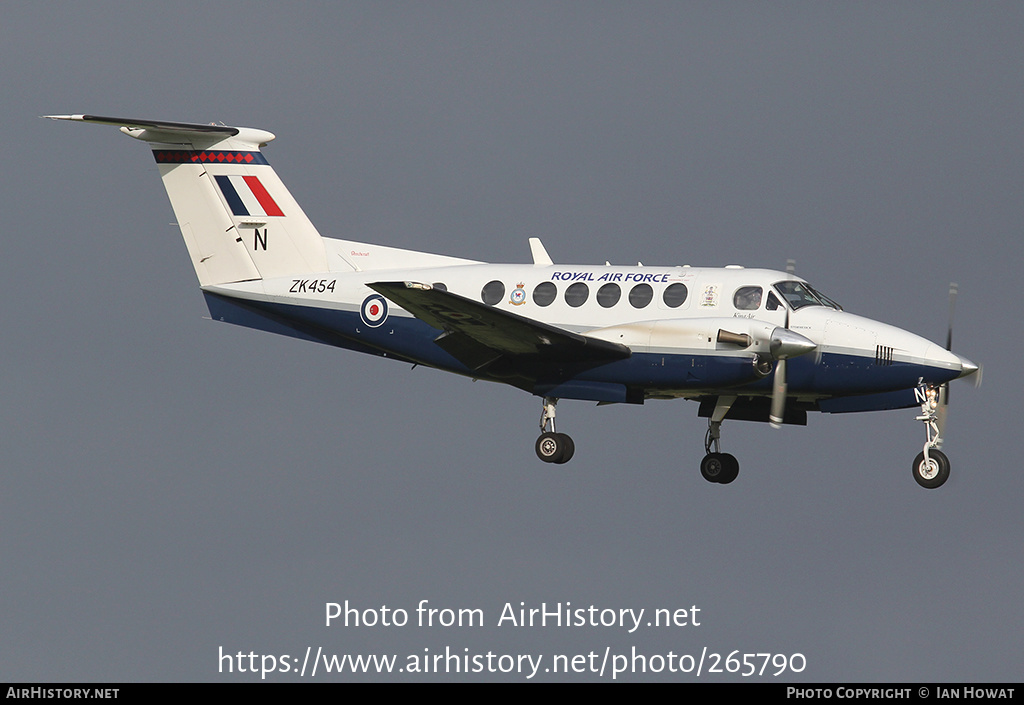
pixel 747 298
pixel 825 300
pixel 798 295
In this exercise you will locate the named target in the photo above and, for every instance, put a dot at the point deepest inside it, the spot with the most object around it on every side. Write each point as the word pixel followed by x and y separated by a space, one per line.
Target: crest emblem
pixel 518 296
pixel 710 296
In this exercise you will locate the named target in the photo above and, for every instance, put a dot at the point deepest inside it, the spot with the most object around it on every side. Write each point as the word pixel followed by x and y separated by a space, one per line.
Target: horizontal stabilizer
pixel 161 125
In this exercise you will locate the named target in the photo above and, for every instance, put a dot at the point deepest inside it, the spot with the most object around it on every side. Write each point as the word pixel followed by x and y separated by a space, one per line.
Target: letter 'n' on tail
pixel 238 219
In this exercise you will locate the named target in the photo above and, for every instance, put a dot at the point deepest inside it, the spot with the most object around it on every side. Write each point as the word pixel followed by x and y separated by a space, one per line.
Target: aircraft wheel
pixel 568 448
pixel 934 473
pixel 712 467
pixel 730 469
pixel 551 447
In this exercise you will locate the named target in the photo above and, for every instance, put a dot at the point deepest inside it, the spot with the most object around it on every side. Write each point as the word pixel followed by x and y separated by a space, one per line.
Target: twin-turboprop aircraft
pixel 751 344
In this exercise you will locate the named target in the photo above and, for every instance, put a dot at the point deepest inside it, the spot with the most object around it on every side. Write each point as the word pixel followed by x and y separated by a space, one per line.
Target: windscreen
pixel 797 295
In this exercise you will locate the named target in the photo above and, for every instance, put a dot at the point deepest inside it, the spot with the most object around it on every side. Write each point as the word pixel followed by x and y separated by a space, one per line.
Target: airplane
pixel 746 344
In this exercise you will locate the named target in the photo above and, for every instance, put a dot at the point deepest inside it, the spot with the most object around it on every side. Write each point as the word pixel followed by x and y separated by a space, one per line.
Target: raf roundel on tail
pixel 746 344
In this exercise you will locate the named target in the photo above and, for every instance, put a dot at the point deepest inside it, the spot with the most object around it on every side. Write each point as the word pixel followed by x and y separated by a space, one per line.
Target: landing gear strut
pixel 716 466
pixel 931 466
pixel 553 447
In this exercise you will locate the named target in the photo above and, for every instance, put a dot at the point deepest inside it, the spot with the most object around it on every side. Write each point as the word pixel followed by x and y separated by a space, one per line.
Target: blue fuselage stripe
pixel 412 339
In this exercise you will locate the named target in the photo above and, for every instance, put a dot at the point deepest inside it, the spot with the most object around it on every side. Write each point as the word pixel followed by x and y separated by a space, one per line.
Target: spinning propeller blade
pixel 942 413
pixel 778 395
pixel 969 368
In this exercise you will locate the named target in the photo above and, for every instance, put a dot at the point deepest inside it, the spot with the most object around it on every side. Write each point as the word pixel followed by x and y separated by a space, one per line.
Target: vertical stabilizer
pixel 238 220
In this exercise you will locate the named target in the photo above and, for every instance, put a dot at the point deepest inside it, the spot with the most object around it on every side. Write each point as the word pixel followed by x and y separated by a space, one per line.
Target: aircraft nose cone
pixel 785 344
pixel 966 366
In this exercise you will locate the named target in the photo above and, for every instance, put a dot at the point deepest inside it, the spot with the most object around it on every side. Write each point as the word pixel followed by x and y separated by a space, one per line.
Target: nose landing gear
pixel 931 466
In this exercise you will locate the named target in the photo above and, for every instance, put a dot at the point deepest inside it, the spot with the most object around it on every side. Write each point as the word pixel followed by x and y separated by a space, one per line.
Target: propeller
pixel 778 395
pixel 784 345
pixel 953 289
pixel 942 413
pixel 779 386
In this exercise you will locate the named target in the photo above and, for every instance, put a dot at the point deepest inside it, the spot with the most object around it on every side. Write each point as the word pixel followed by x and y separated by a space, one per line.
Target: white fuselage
pixel 651 310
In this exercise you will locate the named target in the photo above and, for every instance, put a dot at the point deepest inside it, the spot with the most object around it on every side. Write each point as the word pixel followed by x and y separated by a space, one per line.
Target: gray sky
pixel 173 486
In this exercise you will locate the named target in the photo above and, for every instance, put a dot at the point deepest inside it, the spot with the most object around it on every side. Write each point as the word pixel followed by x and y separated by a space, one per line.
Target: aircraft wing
pixel 477 334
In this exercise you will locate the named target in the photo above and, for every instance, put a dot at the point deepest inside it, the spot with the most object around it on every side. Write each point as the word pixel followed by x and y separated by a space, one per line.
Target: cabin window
pixel 493 292
pixel 576 295
pixel 747 298
pixel 674 295
pixel 544 294
pixel 773 302
pixel 640 295
pixel 608 295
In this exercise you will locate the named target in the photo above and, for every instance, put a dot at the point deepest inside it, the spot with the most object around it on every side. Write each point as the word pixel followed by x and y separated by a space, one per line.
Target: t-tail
pixel 238 220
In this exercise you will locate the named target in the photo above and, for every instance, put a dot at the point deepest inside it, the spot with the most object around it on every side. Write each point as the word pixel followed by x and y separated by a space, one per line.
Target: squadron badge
pixel 709 298
pixel 518 296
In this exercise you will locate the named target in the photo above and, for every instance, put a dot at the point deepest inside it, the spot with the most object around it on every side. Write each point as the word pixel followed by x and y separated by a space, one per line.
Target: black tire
pixel 711 467
pixel 550 447
pixel 730 469
pixel 568 448
pixel 933 474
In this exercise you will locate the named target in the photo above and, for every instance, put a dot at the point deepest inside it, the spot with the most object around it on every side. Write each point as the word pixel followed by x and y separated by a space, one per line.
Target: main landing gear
pixel 717 466
pixel 931 466
pixel 553 447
